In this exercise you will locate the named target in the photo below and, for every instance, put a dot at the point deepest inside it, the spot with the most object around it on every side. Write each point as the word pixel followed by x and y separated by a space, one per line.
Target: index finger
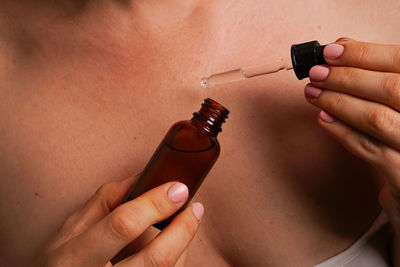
pixel 106 238
pixel 370 56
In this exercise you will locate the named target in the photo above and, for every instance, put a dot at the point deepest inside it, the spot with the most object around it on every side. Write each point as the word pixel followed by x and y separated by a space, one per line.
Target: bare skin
pixel 94 234
pixel 88 91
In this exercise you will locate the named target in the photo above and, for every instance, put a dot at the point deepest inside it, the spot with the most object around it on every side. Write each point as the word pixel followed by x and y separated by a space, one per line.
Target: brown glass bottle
pixel 186 154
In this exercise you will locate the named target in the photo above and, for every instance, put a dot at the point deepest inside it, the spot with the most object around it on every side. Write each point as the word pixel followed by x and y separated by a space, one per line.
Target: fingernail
pixel 325 116
pixel 198 210
pixel 343 40
pixel 319 73
pixel 178 192
pixel 333 51
pixel 311 91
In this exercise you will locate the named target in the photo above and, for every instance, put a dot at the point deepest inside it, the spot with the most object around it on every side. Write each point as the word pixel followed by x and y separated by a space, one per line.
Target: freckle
pixel 319 27
pixel 36 194
pixel 134 138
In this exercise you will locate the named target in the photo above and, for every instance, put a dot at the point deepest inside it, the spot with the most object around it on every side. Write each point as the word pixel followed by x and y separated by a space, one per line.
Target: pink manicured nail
pixel 325 116
pixel 198 210
pixel 311 91
pixel 333 51
pixel 178 192
pixel 319 73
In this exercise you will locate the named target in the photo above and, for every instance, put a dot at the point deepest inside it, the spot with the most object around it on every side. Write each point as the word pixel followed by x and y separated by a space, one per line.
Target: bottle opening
pixel 217 107
pixel 211 116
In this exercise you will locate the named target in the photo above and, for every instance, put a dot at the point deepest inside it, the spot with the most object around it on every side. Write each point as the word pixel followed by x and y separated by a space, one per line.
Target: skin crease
pixel 89 89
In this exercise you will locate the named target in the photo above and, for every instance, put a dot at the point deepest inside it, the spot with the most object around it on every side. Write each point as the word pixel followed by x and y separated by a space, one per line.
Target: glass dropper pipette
pixel 245 73
pixel 303 57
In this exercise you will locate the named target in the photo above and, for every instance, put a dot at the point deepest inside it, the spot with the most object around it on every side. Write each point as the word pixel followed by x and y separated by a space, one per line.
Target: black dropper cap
pixel 305 56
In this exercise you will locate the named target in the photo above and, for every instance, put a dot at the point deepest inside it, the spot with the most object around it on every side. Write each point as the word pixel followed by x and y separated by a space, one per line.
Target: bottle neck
pixel 210 117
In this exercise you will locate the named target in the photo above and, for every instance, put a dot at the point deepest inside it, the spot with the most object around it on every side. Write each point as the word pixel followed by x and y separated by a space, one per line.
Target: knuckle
pixel 347 77
pixel 73 226
pixel 122 223
pixel 76 229
pixel 396 58
pixel 160 206
pixel 381 120
pixel 391 87
pixel 159 258
pixel 103 190
pixel 369 145
pixel 107 197
pixel 335 102
pixel 365 51
pixel 103 196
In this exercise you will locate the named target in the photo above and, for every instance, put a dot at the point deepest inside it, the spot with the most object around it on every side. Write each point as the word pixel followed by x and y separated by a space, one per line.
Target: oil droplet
pixel 204 82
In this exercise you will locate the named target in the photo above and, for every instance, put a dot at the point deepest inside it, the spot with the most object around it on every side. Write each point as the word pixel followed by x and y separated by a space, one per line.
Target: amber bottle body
pixel 186 154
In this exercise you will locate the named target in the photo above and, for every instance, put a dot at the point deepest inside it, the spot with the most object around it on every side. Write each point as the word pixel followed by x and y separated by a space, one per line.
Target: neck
pixel 154 10
pixel 151 17
pixel 169 8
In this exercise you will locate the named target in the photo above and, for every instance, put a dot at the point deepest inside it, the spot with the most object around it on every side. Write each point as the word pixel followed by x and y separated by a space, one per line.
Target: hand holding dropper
pixel 303 57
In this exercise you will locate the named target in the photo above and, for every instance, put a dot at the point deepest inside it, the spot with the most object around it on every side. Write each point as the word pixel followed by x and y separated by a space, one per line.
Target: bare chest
pixel 80 106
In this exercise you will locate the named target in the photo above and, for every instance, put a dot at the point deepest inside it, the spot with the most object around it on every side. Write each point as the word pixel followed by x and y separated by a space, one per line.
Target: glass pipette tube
pixel 246 73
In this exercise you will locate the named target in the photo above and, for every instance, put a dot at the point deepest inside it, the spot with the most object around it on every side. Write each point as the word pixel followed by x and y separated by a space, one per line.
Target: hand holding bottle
pixel 359 93
pixel 93 235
